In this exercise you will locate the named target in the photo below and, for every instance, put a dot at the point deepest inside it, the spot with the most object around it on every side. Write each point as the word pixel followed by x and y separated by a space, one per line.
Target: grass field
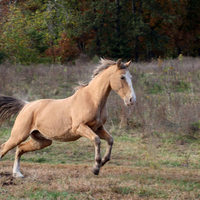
pixel 153 168
pixel 156 148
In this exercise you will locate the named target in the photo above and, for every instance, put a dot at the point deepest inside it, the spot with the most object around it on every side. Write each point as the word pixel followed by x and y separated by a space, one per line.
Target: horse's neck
pixel 99 88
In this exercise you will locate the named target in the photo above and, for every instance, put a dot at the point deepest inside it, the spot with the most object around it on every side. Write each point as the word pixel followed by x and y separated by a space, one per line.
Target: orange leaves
pixel 66 49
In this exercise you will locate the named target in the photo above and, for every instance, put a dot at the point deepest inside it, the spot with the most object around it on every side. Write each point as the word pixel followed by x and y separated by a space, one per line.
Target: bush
pixel 194 129
pixel 2 57
pixel 66 50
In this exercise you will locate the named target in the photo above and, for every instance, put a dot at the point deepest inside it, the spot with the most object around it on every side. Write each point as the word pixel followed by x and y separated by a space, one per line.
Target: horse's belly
pixel 61 137
pixel 65 137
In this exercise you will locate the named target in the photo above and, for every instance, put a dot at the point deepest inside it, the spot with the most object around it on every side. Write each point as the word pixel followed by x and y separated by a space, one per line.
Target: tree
pixel 132 29
pixel 14 42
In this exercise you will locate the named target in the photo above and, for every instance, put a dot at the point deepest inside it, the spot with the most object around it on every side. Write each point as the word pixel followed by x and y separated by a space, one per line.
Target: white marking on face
pixel 128 80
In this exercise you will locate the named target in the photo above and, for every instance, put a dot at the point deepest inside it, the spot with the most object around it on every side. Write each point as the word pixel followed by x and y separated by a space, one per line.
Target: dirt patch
pixel 69 181
pixel 7 179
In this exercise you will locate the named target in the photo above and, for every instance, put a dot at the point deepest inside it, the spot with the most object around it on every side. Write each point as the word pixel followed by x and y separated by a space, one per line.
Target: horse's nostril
pixel 131 99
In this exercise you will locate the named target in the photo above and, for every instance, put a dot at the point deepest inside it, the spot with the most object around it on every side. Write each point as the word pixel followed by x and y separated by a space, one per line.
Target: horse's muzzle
pixel 130 101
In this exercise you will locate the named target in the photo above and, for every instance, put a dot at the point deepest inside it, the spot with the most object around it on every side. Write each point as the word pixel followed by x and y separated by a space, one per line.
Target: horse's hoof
pixel 95 170
pixel 18 175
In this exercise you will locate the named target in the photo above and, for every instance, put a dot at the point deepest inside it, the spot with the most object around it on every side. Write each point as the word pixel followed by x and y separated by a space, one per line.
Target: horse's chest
pixel 97 123
pixel 97 120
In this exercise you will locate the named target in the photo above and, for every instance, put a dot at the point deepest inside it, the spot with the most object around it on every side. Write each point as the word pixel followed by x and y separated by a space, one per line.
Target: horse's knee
pixel 98 159
pixel 97 141
pixel 110 141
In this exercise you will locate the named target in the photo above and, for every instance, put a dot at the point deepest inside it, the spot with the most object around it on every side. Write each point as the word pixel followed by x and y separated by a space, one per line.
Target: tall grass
pixel 156 149
pixel 167 97
pixel 167 92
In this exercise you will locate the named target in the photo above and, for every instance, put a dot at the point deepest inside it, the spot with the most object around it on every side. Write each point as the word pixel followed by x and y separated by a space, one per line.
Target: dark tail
pixel 9 106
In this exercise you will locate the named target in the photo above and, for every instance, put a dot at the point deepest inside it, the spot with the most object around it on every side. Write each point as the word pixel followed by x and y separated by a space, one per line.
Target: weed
pixel 41 160
pixel 194 129
pixel 156 88
pixel 179 86
pixel 49 195
pixel 122 190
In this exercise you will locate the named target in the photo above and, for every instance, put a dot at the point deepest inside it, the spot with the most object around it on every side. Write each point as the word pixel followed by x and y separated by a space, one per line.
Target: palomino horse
pixel 82 114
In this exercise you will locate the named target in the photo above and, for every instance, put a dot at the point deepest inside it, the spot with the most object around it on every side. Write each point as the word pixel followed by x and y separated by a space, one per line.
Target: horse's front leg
pixel 103 134
pixel 85 131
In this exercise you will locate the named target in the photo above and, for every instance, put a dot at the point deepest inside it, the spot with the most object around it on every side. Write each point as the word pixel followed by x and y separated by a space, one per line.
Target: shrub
pixel 2 57
pixel 66 50
pixel 194 129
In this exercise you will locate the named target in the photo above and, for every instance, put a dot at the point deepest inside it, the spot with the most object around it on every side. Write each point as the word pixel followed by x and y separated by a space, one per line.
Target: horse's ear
pixel 119 62
pixel 127 64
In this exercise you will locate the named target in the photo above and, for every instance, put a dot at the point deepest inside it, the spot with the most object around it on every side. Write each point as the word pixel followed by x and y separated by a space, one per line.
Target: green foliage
pixel 37 40
pixel 27 34
pixel 194 129
pixel 95 59
pixel 154 28
pixel 156 88
pixel 14 40
pixel 180 86
pixel 104 38
pixel 2 57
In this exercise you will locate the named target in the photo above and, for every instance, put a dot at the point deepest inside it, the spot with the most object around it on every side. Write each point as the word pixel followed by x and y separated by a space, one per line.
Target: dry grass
pixel 140 168
pixel 156 150
pixel 167 91
pixel 44 181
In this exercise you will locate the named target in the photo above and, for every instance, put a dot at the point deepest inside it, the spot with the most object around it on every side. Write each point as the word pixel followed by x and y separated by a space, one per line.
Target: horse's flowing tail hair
pixel 10 106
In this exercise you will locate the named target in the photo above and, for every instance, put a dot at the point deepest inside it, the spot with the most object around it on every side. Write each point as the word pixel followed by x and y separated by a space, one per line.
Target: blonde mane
pixel 104 64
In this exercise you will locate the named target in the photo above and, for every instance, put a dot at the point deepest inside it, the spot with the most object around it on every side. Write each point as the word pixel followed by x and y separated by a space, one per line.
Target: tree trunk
pixel 136 39
pixel 118 19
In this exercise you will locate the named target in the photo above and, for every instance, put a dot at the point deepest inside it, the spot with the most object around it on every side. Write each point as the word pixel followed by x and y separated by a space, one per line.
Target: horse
pixel 81 115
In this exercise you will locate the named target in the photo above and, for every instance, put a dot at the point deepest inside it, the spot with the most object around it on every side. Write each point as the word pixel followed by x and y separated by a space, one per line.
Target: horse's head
pixel 120 82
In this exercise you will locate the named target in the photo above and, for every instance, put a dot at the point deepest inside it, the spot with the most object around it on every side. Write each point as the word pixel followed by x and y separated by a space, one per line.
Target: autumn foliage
pixel 32 31
pixel 66 50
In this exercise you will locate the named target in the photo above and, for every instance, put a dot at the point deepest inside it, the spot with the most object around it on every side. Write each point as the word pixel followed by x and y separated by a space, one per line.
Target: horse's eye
pixel 122 77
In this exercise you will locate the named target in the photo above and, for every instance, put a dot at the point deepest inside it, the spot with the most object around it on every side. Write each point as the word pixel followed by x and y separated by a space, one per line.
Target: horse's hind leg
pixel 35 143
pixel 12 142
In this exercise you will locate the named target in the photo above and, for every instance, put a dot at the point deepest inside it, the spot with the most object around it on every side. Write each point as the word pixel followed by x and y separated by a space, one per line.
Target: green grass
pixel 156 151
pixel 166 151
pixel 49 195
pixel 143 168
pixel 43 194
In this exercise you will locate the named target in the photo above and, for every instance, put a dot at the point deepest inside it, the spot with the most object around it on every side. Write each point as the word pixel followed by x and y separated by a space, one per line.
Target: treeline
pixel 59 30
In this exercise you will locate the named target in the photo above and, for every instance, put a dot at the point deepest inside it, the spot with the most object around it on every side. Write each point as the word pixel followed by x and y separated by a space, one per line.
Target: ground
pixel 64 171
pixel 156 149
